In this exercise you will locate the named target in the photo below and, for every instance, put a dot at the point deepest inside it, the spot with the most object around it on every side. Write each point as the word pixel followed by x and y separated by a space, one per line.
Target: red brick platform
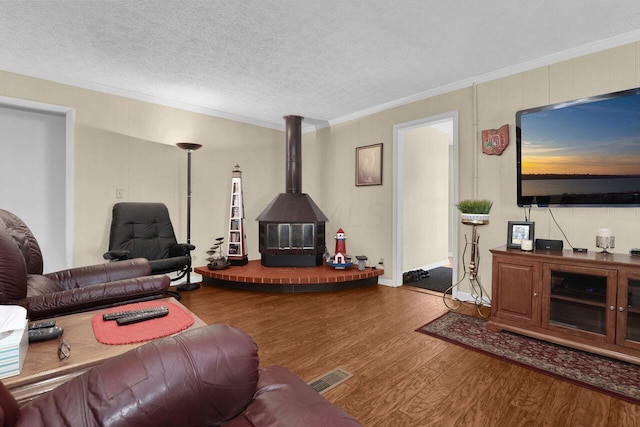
pixel 253 276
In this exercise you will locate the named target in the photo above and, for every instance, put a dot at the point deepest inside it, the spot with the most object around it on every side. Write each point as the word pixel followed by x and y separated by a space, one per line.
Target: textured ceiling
pixel 327 60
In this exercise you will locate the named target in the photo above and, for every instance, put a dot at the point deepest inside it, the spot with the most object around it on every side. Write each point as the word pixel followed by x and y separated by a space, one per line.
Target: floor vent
pixel 329 380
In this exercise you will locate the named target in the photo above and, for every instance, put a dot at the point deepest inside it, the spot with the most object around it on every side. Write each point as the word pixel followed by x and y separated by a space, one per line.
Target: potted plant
pixel 474 211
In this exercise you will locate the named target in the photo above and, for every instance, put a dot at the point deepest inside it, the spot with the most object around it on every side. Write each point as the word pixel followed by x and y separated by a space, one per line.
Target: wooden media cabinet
pixel 589 301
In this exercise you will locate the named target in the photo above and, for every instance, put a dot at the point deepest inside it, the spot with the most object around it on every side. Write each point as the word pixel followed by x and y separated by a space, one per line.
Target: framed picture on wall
pixel 369 165
pixel 517 231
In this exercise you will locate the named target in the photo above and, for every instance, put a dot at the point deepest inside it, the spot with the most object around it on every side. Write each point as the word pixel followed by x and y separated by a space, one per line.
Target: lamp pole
pixel 189 146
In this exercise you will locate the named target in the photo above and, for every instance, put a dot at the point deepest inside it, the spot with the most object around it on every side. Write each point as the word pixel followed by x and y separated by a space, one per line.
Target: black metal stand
pixel 188 286
pixel 476 286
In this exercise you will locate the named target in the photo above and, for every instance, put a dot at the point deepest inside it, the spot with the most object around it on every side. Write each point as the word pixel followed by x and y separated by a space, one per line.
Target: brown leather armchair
pixel 22 280
pixel 207 376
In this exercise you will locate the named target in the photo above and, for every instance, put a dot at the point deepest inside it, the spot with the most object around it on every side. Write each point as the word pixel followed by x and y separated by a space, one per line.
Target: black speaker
pixel 549 245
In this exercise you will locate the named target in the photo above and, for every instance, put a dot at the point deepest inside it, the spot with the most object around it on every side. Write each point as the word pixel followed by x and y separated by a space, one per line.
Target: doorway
pixel 36 163
pixel 425 193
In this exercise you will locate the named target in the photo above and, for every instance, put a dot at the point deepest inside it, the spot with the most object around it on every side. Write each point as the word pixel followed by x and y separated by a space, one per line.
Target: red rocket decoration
pixel 340 259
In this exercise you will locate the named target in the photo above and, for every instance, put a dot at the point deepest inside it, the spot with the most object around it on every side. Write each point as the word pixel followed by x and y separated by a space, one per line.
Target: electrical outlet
pixel 119 193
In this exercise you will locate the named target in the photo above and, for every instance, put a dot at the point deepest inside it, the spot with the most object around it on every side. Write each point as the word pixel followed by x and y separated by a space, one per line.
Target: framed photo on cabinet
pixel 517 231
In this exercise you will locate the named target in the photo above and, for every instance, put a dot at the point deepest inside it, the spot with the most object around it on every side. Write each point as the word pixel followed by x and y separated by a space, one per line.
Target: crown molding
pixel 125 93
pixel 598 46
pixel 568 54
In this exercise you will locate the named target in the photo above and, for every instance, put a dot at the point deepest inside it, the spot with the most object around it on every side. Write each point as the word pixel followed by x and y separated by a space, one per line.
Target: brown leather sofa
pixel 203 377
pixel 22 281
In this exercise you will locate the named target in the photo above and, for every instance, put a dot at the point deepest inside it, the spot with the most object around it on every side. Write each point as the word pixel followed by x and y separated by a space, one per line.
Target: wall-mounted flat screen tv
pixel 580 153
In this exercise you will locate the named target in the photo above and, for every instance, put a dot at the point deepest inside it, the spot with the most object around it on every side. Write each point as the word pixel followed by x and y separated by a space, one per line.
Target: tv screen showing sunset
pixel 582 148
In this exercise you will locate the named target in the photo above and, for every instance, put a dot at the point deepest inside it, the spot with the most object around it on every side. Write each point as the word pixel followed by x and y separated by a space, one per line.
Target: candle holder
pixel 605 242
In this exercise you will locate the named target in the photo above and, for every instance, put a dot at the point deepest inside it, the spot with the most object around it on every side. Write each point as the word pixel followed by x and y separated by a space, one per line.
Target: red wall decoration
pixel 495 141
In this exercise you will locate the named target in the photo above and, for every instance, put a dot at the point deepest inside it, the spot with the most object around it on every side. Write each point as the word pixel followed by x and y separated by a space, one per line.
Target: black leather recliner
pixel 144 230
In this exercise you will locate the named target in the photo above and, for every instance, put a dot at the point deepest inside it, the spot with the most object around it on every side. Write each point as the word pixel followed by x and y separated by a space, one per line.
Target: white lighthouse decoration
pixel 237 249
pixel 340 259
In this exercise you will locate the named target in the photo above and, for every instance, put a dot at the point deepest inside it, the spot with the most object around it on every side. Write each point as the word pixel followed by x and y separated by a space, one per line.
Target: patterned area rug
pixel 614 377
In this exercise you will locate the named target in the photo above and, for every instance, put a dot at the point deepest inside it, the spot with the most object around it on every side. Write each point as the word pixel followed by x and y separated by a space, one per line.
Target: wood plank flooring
pixel 401 377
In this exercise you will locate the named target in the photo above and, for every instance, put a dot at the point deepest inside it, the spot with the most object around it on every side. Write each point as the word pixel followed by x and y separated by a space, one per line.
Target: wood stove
pixel 292 227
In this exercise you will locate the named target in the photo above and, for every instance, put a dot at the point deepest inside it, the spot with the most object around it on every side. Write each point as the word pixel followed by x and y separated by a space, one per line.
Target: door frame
pixel 398 147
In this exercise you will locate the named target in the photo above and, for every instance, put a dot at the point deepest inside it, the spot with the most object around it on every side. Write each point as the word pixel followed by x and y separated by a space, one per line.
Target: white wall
pixel 425 182
pixel 485 106
pixel 129 144
pixel 119 142
pixel 598 73
pixel 32 171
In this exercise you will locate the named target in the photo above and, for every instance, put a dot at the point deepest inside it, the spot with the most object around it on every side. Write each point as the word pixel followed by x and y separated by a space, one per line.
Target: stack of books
pixel 14 340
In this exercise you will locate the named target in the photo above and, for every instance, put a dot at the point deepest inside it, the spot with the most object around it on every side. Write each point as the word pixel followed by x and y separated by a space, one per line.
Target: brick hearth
pixel 254 276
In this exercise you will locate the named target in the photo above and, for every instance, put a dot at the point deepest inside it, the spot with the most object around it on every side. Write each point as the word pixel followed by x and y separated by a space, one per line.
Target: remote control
pixel 119 314
pixel 141 317
pixel 43 334
pixel 42 324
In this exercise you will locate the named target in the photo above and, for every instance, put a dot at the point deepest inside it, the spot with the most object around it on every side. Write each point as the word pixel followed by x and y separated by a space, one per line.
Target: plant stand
pixel 480 294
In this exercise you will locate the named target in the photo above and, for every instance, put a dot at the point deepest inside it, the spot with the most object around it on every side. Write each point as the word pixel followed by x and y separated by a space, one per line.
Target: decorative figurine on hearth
pixel 217 259
pixel 340 259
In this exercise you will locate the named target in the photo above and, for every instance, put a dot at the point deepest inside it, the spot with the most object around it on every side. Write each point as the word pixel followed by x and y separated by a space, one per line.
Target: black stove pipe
pixel 293 135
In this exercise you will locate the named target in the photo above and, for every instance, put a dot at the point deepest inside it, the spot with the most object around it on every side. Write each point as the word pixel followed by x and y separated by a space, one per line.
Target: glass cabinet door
pixel 633 310
pixel 628 310
pixel 579 301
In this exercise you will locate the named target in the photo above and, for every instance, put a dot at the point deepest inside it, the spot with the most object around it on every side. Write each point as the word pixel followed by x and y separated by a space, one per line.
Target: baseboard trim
pixel 468 297
pixel 433 265
pixel 387 282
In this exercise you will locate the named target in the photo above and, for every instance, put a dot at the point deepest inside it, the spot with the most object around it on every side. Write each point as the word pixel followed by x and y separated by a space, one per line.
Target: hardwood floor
pixel 401 377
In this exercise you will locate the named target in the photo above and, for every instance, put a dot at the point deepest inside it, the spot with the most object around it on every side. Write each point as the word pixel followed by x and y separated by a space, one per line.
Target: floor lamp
pixel 189 146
